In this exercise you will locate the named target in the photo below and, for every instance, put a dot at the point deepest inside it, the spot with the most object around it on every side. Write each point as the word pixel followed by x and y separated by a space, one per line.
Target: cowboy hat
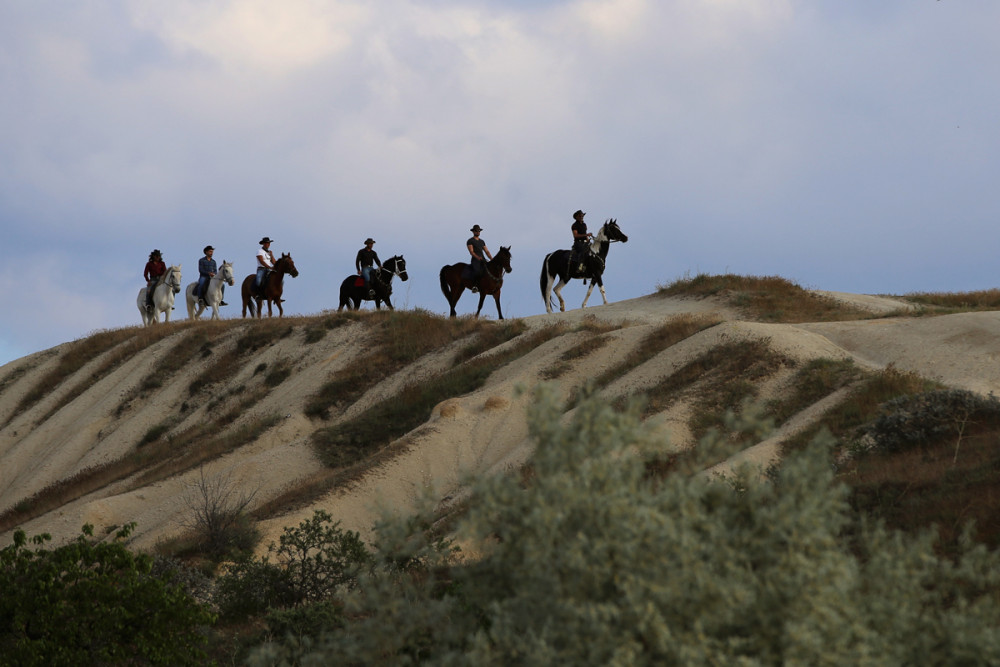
pixel 369 240
pixel 579 214
pixel 207 248
pixel 476 228
pixel 266 239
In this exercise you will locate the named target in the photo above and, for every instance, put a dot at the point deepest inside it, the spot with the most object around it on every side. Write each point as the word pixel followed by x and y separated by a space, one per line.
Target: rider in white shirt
pixel 265 262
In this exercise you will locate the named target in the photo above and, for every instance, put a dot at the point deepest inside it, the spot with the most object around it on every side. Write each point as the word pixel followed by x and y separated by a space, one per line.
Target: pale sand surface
pixel 484 432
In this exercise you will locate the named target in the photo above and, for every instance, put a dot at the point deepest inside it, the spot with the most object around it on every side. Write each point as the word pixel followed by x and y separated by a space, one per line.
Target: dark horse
pixel 352 293
pixel 271 290
pixel 556 265
pixel 455 278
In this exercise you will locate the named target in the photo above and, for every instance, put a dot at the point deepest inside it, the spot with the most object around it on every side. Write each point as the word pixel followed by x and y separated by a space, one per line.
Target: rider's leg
pixel 222 296
pixel 150 287
pixel 199 291
pixel 366 273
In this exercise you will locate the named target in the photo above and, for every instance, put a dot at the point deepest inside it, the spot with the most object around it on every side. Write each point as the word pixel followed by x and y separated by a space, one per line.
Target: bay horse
pixel 556 265
pixel 271 291
pixel 213 292
pixel 352 294
pixel 163 297
pixel 455 278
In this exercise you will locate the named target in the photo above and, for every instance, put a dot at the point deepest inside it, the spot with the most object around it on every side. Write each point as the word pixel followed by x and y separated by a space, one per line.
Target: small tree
pixel 92 602
pixel 218 514
pixel 312 561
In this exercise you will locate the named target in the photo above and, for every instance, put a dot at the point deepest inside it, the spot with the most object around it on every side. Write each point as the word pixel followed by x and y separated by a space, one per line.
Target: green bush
pixel 90 603
pixel 595 561
pixel 312 561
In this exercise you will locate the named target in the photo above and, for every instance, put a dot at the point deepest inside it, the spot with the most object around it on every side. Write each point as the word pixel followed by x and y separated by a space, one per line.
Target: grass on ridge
pixel 766 298
pixel 958 301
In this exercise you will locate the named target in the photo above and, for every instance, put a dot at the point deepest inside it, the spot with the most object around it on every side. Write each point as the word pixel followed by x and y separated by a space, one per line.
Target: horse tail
pixel 445 288
pixel 545 280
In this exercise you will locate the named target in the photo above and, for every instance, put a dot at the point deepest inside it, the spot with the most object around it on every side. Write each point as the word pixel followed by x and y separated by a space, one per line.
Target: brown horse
pixel 272 288
pixel 455 278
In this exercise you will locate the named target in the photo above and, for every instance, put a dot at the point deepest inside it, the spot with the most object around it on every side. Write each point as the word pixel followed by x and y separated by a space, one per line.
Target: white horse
pixel 163 297
pixel 213 293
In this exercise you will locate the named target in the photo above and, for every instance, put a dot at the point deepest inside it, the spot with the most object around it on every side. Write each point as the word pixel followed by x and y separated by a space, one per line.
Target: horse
pixel 556 265
pixel 456 277
pixel 352 293
pixel 271 290
pixel 213 292
pixel 163 297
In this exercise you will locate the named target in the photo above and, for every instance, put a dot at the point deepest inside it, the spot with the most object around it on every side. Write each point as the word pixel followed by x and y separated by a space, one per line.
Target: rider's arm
pixel 472 251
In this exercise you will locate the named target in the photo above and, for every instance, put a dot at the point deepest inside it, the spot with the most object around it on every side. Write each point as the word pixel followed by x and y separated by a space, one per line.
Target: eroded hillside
pixel 361 413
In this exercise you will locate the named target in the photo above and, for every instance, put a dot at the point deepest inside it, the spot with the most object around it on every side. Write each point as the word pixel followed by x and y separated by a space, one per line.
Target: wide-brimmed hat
pixel 266 239
pixel 155 253
pixel 579 214
pixel 369 240
pixel 207 248
pixel 476 228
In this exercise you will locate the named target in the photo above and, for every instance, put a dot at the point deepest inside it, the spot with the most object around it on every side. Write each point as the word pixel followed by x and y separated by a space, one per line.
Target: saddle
pixel 359 282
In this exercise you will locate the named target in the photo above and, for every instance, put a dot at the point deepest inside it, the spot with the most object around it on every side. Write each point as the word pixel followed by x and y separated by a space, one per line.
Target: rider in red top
pixel 155 268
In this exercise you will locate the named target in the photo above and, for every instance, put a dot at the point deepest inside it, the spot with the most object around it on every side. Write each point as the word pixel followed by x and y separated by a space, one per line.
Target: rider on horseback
pixel 265 264
pixel 207 268
pixel 477 248
pixel 363 262
pixel 581 243
pixel 155 268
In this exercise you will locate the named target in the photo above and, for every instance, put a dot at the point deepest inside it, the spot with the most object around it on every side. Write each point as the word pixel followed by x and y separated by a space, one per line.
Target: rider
pixel 265 263
pixel 581 241
pixel 207 268
pixel 363 262
pixel 477 248
pixel 155 268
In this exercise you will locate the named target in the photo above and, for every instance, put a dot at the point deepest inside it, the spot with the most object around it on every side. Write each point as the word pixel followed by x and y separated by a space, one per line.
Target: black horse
pixel 557 265
pixel 352 293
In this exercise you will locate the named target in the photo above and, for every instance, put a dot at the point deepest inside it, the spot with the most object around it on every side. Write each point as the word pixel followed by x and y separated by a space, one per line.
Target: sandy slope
pixel 479 433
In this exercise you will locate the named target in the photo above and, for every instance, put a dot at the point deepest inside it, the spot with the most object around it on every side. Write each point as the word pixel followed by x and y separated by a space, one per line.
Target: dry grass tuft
pixel 958 301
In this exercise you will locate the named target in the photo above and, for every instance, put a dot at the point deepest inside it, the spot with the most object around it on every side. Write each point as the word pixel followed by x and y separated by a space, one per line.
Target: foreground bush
pixel 90 603
pixel 594 561
pixel 312 561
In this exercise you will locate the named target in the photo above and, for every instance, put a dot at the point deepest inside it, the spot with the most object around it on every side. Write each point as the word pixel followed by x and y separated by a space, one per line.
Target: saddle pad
pixel 359 282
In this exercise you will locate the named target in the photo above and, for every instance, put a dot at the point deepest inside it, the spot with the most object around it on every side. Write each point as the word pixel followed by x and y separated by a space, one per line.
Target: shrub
pixel 218 514
pixel 89 603
pixel 313 560
pixel 592 561
pixel 921 419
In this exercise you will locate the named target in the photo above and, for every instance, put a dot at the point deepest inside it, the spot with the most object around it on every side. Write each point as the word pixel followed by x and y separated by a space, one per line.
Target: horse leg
pixel 482 298
pixel 600 285
pixel 388 304
pixel 589 290
pixel 558 292
pixel 496 297
pixel 453 299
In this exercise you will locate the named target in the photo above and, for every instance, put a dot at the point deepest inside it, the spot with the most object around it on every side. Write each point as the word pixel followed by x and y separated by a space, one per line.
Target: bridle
pixel 396 271
pixel 498 279
pixel 169 281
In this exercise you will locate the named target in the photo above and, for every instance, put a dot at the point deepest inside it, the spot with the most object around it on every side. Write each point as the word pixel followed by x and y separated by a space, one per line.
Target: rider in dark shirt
pixel 581 241
pixel 477 248
pixel 366 258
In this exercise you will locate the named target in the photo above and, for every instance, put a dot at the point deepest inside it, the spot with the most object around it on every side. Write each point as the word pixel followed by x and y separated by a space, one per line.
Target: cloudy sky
pixel 846 145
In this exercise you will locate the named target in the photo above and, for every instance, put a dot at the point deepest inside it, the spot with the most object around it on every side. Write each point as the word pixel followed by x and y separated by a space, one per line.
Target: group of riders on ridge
pixel 365 262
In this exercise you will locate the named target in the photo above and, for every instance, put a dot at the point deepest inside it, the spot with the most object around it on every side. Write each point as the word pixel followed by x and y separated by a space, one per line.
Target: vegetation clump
pixel 95 603
pixel 918 420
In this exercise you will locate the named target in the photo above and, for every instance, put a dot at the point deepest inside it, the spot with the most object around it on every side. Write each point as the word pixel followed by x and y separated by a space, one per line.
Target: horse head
pixel 503 257
pixel 613 232
pixel 227 273
pixel 397 266
pixel 172 278
pixel 286 265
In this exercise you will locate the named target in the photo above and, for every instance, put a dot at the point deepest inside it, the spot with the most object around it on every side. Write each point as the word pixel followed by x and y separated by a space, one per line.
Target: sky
pixel 845 145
